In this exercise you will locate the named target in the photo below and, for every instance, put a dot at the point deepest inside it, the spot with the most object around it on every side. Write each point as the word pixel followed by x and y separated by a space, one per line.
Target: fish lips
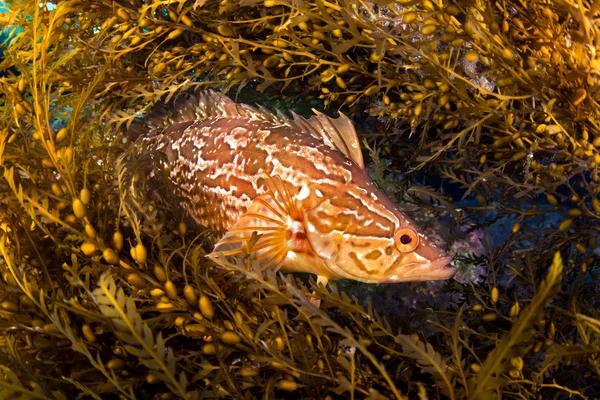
pixel 431 271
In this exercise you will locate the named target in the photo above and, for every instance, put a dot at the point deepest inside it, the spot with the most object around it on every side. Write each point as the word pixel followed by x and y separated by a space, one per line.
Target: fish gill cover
pixel 479 117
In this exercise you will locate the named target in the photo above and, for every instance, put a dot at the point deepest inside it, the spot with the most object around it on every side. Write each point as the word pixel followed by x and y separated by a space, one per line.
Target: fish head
pixel 373 243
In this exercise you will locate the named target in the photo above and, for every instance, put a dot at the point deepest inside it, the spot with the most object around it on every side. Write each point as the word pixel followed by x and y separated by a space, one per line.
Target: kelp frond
pixel 431 362
pixel 511 349
pixel 136 336
pixel 11 387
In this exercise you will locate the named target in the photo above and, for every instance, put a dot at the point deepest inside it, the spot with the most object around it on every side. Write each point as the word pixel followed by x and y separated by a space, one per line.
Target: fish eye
pixel 406 239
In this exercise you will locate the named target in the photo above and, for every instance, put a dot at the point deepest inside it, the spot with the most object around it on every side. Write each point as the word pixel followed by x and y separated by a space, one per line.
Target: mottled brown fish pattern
pixel 299 184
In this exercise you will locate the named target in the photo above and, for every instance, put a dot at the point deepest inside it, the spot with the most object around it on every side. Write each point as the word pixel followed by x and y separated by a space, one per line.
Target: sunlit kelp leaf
pixel 85 390
pixel 11 387
pixel 429 360
pixel 79 345
pixel 489 377
pixel 139 339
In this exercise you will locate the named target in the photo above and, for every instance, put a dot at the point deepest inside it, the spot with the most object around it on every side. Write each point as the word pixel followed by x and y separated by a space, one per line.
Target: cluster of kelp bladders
pixel 105 291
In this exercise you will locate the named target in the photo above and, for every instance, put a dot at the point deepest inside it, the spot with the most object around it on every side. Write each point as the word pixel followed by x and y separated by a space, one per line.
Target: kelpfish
pixel 295 188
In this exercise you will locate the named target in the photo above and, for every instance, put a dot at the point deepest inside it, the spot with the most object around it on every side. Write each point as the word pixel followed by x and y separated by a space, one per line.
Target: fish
pixel 290 191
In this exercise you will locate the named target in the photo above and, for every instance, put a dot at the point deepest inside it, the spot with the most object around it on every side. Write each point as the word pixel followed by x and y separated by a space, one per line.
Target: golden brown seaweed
pixel 105 291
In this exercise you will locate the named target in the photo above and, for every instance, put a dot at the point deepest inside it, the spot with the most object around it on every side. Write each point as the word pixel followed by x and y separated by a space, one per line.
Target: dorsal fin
pixel 337 133
pixel 215 104
pixel 196 107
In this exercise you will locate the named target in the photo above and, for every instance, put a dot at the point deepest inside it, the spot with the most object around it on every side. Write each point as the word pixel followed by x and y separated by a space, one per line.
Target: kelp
pixel 481 113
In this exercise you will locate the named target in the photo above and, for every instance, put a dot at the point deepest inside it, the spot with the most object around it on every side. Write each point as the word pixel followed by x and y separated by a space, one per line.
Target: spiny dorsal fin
pixel 337 133
pixel 190 108
pixel 213 104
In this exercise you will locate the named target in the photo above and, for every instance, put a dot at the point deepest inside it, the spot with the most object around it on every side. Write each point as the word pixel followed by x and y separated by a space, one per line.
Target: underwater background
pixel 479 117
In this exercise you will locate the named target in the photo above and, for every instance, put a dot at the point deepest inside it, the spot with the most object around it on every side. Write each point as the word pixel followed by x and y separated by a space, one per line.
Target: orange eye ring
pixel 406 239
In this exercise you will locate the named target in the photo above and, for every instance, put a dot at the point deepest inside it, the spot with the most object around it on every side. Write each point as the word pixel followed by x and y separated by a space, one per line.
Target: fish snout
pixel 438 269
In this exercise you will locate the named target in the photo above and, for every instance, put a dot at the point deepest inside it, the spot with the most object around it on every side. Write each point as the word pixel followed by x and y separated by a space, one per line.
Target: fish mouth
pixel 431 271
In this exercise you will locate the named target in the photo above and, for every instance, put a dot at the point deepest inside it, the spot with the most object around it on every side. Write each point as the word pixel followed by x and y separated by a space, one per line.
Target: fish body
pixel 295 188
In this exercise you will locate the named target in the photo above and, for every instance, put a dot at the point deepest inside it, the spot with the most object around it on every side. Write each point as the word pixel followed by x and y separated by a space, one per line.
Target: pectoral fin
pixel 267 229
pixel 260 231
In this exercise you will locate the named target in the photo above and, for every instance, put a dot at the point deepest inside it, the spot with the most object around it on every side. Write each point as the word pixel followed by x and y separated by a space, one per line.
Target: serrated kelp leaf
pixel 171 361
pixel 125 319
pixel 344 385
pixel 422 391
pixel 133 350
pixel 496 362
pixel 262 328
pixel 430 360
pixel 459 362
pixel 96 361
pixel 84 389
pixel 343 361
pixel 12 388
pixel 375 395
